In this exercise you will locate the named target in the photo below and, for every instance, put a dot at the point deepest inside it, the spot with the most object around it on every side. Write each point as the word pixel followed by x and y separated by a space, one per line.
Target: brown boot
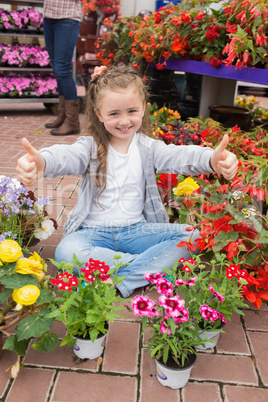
pixel 61 116
pixel 71 123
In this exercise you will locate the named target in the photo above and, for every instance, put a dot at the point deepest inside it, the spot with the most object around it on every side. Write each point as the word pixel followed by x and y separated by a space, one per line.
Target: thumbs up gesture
pixel 223 161
pixel 31 165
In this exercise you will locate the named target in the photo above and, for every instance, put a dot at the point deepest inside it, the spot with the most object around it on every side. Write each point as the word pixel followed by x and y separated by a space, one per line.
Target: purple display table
pixel 219 85
pixel 247 74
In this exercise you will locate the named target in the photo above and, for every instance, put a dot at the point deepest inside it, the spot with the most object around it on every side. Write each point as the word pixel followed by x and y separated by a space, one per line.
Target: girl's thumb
pixel 223 143
pixel 29 149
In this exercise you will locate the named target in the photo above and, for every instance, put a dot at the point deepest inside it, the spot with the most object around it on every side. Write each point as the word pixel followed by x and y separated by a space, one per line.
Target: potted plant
pixel 86 304
pixel 174 335
pixel 213 291
pixel 25 299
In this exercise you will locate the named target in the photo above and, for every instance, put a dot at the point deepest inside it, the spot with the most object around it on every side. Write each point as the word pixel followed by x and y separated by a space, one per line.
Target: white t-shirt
pixel 122 201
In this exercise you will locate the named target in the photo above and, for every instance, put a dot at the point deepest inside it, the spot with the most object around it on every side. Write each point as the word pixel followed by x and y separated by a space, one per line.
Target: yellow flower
pixel 187 186
pixel 32 265
pixel 26 295
pixel 10 251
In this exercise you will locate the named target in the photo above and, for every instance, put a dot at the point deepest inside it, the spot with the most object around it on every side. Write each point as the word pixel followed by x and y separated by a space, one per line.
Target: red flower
pixel 212 35
pixel 65 281
pixel 168 180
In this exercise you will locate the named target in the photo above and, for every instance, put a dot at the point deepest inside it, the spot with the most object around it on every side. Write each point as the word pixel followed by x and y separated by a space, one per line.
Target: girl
pixel 119 210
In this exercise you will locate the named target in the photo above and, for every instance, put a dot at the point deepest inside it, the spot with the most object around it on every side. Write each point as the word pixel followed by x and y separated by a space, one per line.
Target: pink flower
pixel 209 313
pixel 191 281
pixel 153 278
pixel 142 305
pixel 217 294
pixel 174 307
pixel 164 287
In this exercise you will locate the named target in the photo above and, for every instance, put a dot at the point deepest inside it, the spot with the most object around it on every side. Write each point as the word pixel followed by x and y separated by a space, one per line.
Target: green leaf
pixel 17 281
pixel 5 294
pixel 46 343
pixel 16 346
pixel 68 340
pixel 34 325
pixel 45 297
pixel 8 269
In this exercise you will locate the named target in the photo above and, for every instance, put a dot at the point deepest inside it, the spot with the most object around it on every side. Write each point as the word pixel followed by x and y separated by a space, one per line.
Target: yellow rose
pixel 26 295
pixel 10 251
pixel 187 186
pixel 31 266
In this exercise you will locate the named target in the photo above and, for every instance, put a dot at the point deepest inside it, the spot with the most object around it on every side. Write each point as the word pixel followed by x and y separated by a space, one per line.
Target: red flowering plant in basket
pixel 86 301
pixel 107 7
pixel 247 27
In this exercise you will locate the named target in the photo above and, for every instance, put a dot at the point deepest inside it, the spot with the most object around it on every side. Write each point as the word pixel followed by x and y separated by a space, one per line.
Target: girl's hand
pixel 223 161
pixel 30 166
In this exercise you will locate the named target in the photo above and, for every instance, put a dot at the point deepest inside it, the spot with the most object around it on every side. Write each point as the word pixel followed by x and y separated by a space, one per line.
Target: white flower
pixel 46 230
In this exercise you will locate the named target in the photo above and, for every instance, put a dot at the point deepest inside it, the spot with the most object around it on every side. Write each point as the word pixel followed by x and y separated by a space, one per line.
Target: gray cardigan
pixel 156 156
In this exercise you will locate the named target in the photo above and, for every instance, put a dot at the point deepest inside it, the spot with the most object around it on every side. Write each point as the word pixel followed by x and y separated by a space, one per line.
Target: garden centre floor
pixel 236 370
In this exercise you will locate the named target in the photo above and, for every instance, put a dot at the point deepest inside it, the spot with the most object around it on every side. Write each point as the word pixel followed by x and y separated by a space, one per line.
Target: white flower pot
pixel 212 337
pixel 86 349
pixel 173 377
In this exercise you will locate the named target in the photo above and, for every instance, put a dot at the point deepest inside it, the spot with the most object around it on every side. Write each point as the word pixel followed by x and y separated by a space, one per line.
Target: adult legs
pixel 145 247
pixel 61 37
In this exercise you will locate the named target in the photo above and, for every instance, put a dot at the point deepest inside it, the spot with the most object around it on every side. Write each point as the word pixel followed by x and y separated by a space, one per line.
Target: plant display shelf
pixel 219 85
pixel 24 2
pixel 46 100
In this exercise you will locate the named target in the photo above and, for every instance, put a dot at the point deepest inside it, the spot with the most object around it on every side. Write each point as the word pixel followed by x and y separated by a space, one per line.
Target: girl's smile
pixel 121 112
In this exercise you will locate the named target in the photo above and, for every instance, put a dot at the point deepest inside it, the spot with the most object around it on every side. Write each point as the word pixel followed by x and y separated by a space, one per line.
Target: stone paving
pixel 236 370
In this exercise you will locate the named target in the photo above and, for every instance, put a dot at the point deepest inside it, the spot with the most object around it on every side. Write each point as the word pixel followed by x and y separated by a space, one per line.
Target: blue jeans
pixel 61 36
pixel 148 247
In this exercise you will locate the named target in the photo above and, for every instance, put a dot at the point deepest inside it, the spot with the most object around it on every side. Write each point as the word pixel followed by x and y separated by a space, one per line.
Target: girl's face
pixel 121 112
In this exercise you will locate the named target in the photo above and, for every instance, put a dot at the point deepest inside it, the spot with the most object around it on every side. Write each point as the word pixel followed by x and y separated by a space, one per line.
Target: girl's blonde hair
pixel 111 79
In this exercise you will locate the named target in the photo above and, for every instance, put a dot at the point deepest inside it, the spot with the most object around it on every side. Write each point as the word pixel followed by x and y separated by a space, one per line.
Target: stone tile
pixel 7 359
pixel 223 368
pixel 201 392
pixel 233 340
pixel 31 385
pixel 94 387
pixel 150 388
pixel 245 394
pixel 256 320
pixel 60 357
pixel 122 348
pixel 258 341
